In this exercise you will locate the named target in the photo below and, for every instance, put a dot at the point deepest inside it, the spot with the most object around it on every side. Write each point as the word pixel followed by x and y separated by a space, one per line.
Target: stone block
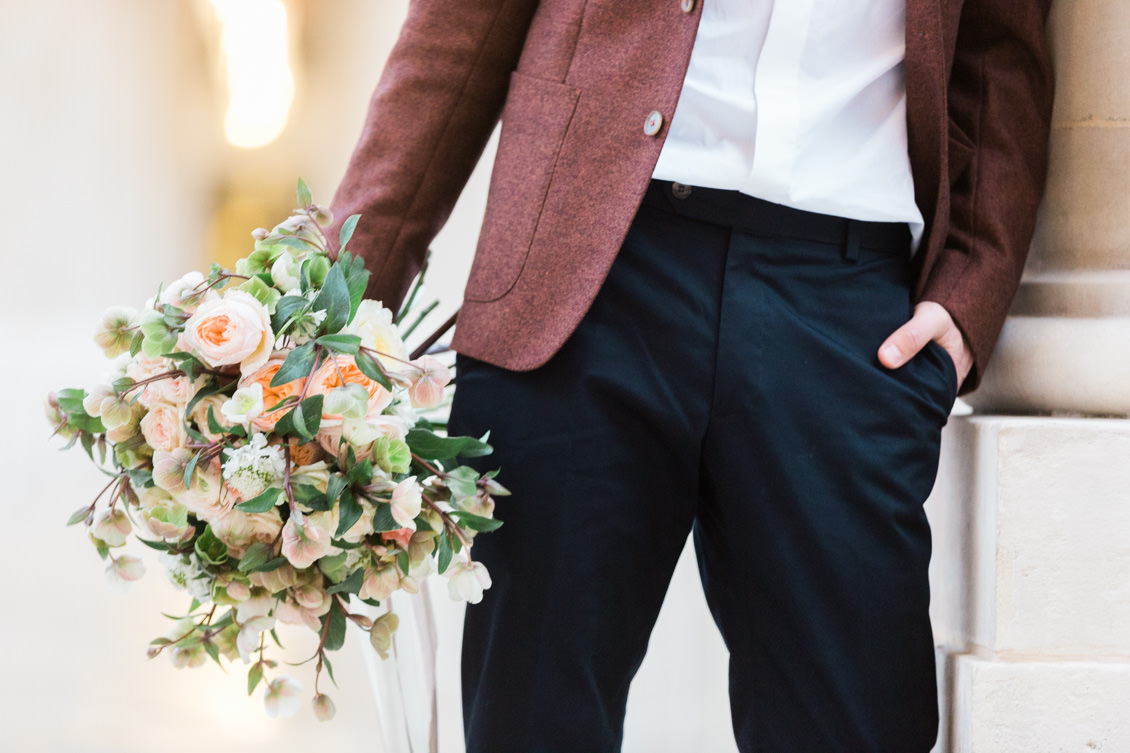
pixel 1042 545
pixel 1035 707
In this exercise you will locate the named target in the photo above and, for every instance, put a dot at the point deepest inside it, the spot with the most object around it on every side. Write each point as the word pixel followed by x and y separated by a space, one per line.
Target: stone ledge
pixel 1012 707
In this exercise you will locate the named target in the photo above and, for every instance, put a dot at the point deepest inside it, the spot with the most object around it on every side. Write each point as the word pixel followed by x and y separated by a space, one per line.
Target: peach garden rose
pixel 234 328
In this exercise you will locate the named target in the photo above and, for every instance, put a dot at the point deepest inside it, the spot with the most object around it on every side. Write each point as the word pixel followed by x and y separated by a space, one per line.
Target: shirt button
pixel 680 190
pixel 686 5
pixel 653 123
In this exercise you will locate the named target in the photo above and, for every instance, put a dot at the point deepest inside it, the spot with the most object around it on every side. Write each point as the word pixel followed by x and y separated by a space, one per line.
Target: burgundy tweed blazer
pixel 574 81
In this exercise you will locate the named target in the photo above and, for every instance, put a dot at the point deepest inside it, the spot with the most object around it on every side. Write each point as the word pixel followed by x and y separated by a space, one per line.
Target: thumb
pixel 902 344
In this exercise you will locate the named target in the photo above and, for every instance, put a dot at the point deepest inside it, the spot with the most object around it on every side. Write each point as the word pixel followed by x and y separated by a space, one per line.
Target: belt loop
pixel 851 242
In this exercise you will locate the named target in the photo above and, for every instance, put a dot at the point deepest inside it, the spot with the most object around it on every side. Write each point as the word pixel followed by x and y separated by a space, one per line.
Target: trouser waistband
pixel 753 215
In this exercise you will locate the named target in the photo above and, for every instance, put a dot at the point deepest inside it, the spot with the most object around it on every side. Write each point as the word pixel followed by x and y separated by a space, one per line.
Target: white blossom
pixel 252 468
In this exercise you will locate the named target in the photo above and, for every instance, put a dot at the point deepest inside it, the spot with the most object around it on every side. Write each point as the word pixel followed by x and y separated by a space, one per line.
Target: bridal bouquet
pixel 263 429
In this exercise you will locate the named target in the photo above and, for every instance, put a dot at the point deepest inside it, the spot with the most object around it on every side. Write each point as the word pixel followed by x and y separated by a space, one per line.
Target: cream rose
pixel 172 390
pixel 163 427
pixel 374 325
pixel 240 530
pixel 231 329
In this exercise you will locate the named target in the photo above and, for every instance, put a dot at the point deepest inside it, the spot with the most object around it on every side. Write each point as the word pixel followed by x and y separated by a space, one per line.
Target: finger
pixel 907 340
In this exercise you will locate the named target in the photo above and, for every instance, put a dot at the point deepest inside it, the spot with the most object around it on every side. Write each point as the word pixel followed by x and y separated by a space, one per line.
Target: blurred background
pixel 139 140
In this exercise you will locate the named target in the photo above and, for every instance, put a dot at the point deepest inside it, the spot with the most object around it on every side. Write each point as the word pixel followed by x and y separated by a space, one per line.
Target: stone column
pixel 1031 514
pixel 1066 347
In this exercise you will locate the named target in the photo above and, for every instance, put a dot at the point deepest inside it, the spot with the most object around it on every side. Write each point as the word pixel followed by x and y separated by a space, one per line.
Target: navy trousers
pixel 724 382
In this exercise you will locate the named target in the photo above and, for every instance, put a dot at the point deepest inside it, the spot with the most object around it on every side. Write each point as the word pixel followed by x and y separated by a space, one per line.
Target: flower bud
pixel 467 581
pixel 238 590
pixel 192 656
pixel 114 334
pixel 116 411
pixel 324 707
pixel 92 400
pixel 322 215
pixel 260 233
pixel 282 697
pixel 309 597
pixel 380 636
pixel 112 527
pixel 317 267
pixel 285 272
pixel 350 401
pixel 123 571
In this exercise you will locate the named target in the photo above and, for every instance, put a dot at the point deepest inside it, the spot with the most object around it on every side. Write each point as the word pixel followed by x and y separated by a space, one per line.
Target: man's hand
pixel 930 322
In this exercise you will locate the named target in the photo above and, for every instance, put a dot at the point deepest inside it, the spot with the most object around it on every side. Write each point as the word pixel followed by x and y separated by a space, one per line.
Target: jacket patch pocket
pixel 534 122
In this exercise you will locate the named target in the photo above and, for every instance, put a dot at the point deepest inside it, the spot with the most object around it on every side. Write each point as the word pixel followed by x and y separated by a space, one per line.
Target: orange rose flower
pixel 272 396
pixel 339 371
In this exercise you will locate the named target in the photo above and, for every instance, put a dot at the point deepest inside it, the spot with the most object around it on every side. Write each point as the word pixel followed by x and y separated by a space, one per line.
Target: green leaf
pixel 261 502
pixel 428 445
pixel 334 299
pixel 286 309
pixel 351 585
pixel 329 669
pixel 356 279
pixel 256 555
pixel 359 473
pixel 213 651
pixel 341 343
pixel 189 468
pixel 299 362
pixel 403 562
pixel 213 424
pixel 347 229
pixel 303 420
pixel 335 637
pixel 83 422
pixel 382 518
pixel 186 362
pixel 370 368
pixel 349 512
pixel 303 193
pixel 269 565
pixel 310 496
pixel 87 442
pixel 70 400
pixel 295 242
pixel 254 675
pixel 79 515
pixel 209 389
pixel 335 486
pixel 475 522
pixel 135 343
pixel 160 546
pixel 462 481
pixel 444 552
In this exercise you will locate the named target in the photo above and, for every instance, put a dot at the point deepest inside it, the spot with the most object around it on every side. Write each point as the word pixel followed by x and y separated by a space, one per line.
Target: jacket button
pixel 653 123
pixel 686 5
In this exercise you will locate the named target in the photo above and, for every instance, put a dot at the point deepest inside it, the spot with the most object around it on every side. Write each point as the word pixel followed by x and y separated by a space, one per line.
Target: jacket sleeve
pixel 1000 101
pixel 433 110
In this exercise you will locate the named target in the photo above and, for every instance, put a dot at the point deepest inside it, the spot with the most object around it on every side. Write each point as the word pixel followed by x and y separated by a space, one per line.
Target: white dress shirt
pixel 798 102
